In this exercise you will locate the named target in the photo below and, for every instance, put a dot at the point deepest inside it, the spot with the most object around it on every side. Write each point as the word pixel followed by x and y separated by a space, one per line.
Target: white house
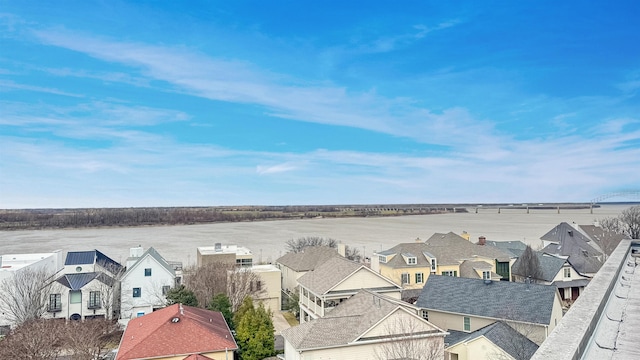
pixel 145 283
pixel 13 264
pixel 88 287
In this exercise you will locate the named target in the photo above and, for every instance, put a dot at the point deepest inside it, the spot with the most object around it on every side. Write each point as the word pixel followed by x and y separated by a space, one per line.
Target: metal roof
pixel 80 257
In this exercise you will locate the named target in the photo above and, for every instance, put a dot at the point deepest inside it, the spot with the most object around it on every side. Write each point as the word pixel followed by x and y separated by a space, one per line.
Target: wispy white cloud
pixel 275 169
pixel 7 85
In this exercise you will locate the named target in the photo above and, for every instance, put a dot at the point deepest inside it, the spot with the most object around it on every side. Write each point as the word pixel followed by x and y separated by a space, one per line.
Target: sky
pixel 206 103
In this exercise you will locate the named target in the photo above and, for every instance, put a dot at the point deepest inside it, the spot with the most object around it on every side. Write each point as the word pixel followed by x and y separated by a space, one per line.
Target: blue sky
pixel 112 104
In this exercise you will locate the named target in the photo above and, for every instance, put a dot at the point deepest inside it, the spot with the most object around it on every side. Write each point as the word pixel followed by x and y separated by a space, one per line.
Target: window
pixel 140 313
pixel 147 272
pixel 244 262
pixel 55 302
pixel 258 285
pixel 467 324
pixel 405 278
pixel 165 289
pixel 382 259
pixel 94 299
pixel 433 265
pixel 137 292
pixel 486 275
pixel 425 315
pixel 450 273
pixel 567 272
pixel 411 261
pixel 75 297
pixel 419 278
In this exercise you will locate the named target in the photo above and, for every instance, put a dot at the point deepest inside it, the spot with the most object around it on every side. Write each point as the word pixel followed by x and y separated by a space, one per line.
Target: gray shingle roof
pixel 448 249
pixel 468 269
pixel 329 274
pixel 344 324
pixel 532 303
pixel 577 246
pixel 606 240
pixel 549 264
pixel 308 259
pixel 516 248
pixel 502 335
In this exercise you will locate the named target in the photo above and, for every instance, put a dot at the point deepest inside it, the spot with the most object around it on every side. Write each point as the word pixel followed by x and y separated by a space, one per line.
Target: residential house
pixel 294 265
pixel 555 270
pixel 606 240
pixel 88 287
pixel 513 247
pixel 145 283
pixel 581 252
pixel 229 254
pixel 178 332
pixel 455 303
pixel 20 265
pixel 336 280
pixel 366 326
pixel 268 286
pixel 410 264
pixel 495 341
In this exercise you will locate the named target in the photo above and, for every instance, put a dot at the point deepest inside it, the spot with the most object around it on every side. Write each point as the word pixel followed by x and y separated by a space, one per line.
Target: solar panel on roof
pixel 80 257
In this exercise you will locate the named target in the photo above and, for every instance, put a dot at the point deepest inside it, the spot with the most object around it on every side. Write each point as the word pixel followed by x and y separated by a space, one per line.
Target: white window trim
pixel 406 276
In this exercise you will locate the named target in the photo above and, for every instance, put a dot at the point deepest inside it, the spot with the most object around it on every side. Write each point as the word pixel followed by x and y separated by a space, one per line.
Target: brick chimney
pixel 482 240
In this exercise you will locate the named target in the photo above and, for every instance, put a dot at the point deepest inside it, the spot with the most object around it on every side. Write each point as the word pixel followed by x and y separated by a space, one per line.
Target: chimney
pixel 418 239
pixel 466 235
pixel 181 310
pixel 342 249
pixel 482 240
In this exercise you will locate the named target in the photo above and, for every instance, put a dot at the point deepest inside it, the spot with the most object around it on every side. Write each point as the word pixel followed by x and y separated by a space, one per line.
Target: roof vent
pixel 487 281
pixel 175 320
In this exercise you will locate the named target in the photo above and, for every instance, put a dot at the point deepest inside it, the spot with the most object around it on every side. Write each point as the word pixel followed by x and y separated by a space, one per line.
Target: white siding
pixel 151 287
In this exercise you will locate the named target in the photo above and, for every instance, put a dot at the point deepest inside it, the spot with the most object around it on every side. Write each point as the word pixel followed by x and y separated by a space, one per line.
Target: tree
pixel 254 331
pixel 352 253
pixel 628 222
pixel 181 295
pixel 405 340
pixel 222 304
pixel 37 339
pixel 529 265
pixel 293 303
pixel 24 295
pixel 299 244
pixel 88 339
pixel 242 283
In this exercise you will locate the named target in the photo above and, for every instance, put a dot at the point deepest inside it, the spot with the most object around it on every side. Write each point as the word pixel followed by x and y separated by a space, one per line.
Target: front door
pixel 575 292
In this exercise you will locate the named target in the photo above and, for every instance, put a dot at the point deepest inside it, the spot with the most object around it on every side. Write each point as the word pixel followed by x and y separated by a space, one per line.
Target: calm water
pixel 266 239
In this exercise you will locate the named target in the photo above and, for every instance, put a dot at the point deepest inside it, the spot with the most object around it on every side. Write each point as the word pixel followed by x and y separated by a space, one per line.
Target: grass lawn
pixel 290 318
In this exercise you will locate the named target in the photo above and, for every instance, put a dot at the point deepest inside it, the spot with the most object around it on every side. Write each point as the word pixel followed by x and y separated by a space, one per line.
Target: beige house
pixel 366 326
pixel 294 265
pixel 497 341
pixel 467 305
pixel 230 254
pixel 410 264
pixel 336 280
pixel 269 293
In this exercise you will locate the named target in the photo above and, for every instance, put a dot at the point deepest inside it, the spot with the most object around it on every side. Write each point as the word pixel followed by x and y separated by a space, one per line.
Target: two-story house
pixel 89 287
pixel 461 304
pixel 568 241
pixel 336 280
pixel 295 264
pixel 145 283
pixel 410 264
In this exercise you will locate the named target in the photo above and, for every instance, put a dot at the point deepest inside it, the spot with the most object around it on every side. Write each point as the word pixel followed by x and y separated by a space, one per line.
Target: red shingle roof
pixel 197 357
pixel 171 332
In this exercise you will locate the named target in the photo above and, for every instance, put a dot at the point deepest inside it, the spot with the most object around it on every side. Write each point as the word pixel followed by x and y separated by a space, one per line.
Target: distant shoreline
pixel 41 219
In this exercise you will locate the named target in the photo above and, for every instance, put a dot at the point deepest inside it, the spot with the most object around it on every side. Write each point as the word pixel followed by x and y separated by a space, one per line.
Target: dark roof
pixel 78 281
pixel 515 248
pixel 549 264
pixel 571 283
pixel 308 259
pixel 606 240
pixel 532 303
pixel 570 242
pixel 502 335
pixel 91 257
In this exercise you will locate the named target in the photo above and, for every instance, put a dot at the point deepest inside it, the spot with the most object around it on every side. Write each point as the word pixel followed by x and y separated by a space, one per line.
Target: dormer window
pixel 382 259
pixel 434 265
pixel 412 260
pixel 486 275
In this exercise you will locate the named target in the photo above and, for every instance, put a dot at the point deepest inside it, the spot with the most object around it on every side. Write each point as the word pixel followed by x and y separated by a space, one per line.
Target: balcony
pixel 97 304
pixel 55 307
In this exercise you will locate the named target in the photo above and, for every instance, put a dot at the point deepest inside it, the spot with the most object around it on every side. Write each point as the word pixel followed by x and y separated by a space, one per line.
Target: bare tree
pixel 405 340
pixel 216 278
pixel 529 265
pixel 243 283
pixel 35 339
pixel 299 244
pixel 90 338
pixel 628 222
pixel 24 295
pixel 352 253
